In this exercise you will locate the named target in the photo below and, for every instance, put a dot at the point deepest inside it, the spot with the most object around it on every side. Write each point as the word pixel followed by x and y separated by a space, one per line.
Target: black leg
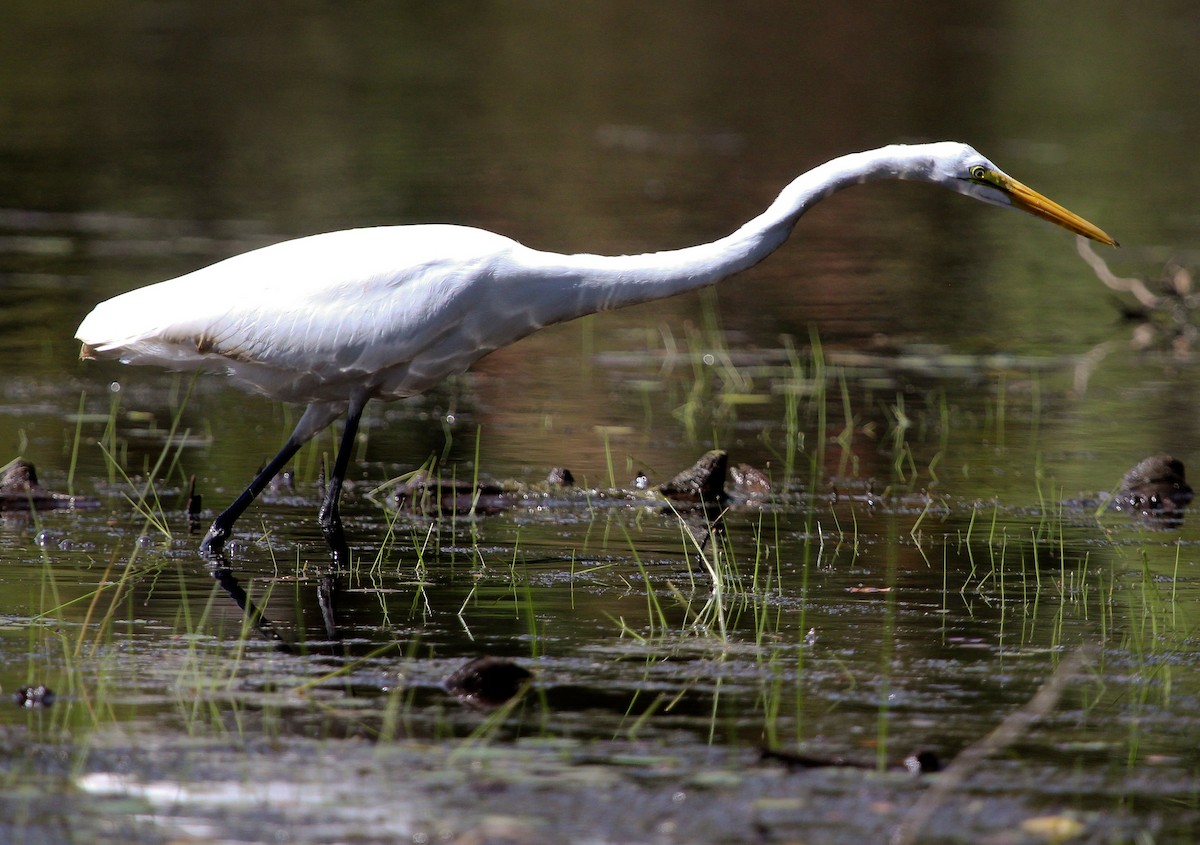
pixel 315 418
pixel 214 541
pixel 328 516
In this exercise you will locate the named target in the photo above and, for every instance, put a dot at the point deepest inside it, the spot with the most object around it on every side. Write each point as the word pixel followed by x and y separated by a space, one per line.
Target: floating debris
pixel 700 486
pixel 20 491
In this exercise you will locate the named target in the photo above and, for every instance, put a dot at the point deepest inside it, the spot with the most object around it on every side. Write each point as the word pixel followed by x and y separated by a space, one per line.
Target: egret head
pixel 961 168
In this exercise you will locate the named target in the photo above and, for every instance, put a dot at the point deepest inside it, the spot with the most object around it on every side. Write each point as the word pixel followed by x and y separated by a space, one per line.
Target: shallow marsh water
pixel 930 557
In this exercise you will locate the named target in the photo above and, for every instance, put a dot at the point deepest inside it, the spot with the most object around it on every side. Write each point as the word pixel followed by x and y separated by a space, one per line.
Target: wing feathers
pixel 317 310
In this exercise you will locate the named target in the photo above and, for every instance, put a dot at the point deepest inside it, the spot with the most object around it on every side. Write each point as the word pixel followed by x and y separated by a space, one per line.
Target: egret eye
pixel 979 173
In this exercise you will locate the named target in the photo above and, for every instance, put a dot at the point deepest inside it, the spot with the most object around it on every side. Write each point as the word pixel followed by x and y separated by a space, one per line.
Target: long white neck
pixel 582 284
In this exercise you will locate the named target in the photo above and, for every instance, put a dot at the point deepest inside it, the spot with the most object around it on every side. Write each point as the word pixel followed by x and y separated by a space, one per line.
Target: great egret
pixel 335 320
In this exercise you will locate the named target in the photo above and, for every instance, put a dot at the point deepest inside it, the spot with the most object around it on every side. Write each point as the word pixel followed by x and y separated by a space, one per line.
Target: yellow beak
pixel 1027 199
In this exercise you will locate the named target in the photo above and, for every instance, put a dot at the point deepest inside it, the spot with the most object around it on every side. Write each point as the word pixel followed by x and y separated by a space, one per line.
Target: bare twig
pixel 1134 286
pixel 1004 735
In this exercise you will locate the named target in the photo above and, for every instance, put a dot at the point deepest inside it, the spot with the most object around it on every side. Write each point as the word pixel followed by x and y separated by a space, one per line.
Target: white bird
pixel 337 319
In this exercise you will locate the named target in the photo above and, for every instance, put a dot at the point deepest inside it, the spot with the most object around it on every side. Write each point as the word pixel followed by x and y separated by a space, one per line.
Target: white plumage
pixel 302 319
pixel 335 320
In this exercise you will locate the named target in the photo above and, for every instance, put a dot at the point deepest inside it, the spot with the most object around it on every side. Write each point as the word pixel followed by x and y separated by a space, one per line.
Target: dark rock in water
pixel 20 491
pixel 923 762
pixel 701 487
pixel 19 477
pixel 487 681
pixel 1156 491
pixel 38 696
pixel 433 496
pixel 702 483
pixel 700 490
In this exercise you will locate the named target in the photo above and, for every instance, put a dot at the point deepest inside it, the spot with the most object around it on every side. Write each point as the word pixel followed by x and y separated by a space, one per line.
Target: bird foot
pixel 212 547
pixel 339 551
pixel 330 521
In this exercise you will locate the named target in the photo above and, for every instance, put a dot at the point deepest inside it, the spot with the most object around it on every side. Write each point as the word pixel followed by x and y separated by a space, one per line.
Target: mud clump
pixel 20 491
pixel 1156 491
pixel 701 483
pixel 488 681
